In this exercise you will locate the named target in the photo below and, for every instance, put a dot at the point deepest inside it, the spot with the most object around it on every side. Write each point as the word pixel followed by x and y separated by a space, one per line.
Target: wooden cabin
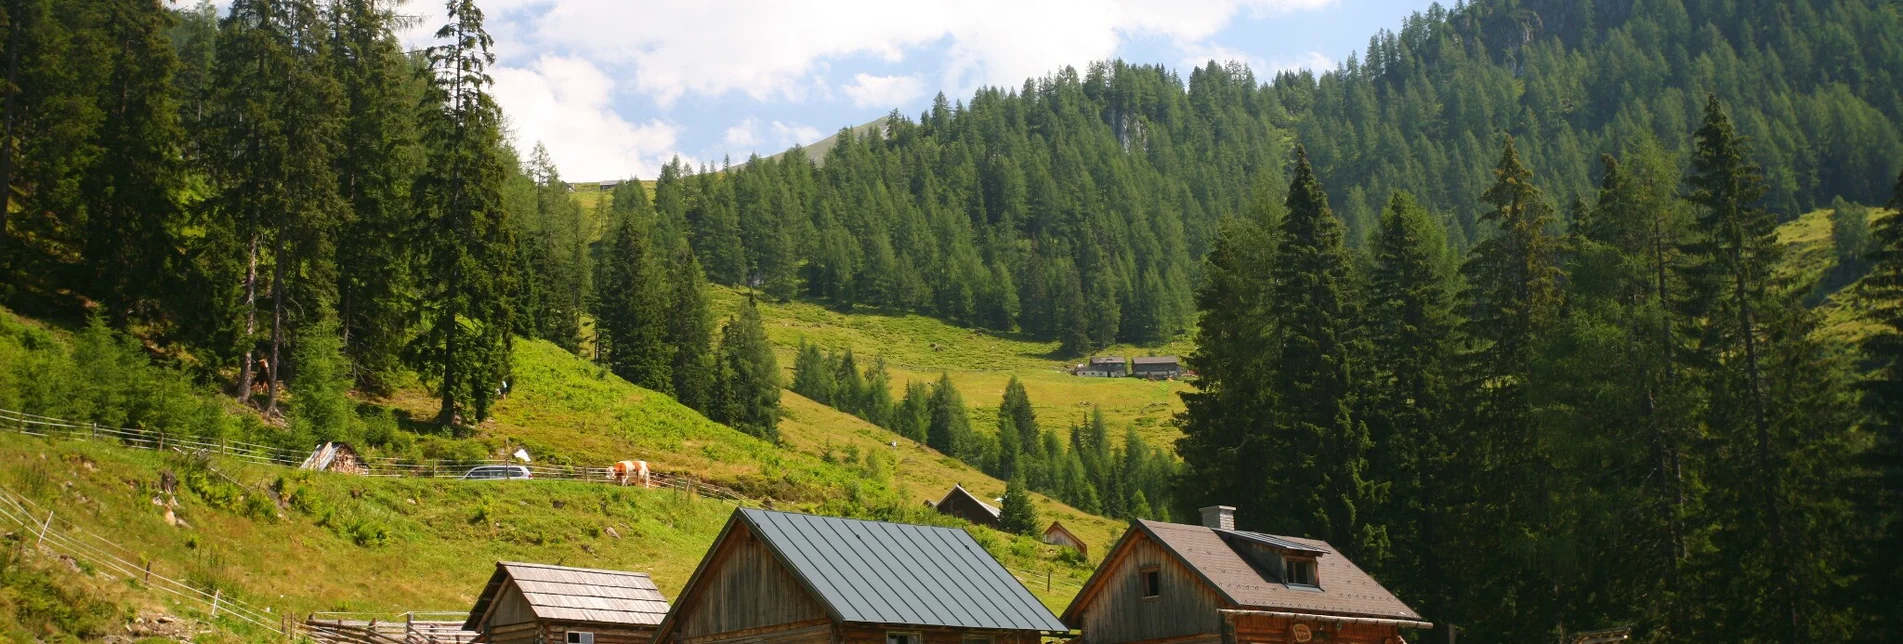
pixel 537 604
pixel 961 503
pixel 1057 535
pixel 1157 367
pixel 776 577
pixel 336 457
pixel 1105 367
pixel 1214 584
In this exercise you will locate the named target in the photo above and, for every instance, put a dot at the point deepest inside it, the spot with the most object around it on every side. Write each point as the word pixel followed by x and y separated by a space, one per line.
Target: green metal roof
pixel 893 573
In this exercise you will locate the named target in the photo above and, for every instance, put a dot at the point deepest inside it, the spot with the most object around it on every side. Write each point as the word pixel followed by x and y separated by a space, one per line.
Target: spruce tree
pixel 378 159
pixel 1882 583
pixel 878 402
pixel 749 377
pixel 1019 514
pixel 690 332
pixel 1327 490
pixel 811 376
pixel 1513 301
pixel 913 414
pixel 1411 328
pixel 1775 414
pixel 463 231
pixel 948 428
pixel 321 409
pixel 632 312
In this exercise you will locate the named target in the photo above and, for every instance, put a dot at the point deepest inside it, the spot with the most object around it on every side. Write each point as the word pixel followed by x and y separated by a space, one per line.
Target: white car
pixel 496 472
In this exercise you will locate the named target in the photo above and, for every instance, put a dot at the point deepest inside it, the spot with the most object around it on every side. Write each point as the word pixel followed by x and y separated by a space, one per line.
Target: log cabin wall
pixel 749 596
pixel 1185 610
pixel 1265 629
pixel 558 633
pixel 875 634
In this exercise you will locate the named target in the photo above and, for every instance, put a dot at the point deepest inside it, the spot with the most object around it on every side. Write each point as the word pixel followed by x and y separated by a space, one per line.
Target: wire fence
pixel 389 467
pixel 51 533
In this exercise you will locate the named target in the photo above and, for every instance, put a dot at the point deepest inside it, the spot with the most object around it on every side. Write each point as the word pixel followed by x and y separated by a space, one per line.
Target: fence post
pixel 95 431
pixel 148 571
pixel 43 527
pixel 216 595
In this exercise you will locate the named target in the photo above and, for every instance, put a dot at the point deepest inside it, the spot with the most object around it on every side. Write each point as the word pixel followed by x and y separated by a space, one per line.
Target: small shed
pixel 336 457
pixel 961 503
pixel 784 578
pixel 528 603
pixel 1157 367
pixel 609 184
pixel 1105 367
pixel 1057 535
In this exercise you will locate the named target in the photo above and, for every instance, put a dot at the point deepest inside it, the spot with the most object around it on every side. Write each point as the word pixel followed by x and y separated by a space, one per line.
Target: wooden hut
pixel 1105 367
pixel 336 457
pixel 961 503
pixel 536 604
pixel 1157 367
pixel 776 578
pixel 1214 584
pixel 1057 535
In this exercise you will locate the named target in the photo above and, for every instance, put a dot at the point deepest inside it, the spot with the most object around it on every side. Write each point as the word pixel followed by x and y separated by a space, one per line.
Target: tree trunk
pixel 250 319
pixel 277 327
pixel 1770 483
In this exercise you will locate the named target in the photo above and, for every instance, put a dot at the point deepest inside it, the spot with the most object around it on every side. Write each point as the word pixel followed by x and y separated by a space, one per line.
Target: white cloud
pixel 868 90
pixel 743 134
pixel 564 103
pixel 1199 55
pixel 788 134
pixel 770 50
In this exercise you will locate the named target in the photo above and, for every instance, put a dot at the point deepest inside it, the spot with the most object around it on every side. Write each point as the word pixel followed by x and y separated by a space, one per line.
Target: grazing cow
pixel 627 472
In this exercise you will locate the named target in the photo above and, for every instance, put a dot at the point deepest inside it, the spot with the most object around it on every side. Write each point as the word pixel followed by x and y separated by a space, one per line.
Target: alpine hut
pixel 777 578
pixel 1058 535
pixel 1214 584
pixel 961 503
pixel 535 604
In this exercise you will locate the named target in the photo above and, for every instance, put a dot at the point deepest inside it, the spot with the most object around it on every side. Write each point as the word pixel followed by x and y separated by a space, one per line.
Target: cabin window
pixel 1152 581
pixel 1299 572
pixel 903 638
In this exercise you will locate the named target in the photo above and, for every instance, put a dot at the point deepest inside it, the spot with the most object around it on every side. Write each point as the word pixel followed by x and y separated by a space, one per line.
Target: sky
pixel 614 88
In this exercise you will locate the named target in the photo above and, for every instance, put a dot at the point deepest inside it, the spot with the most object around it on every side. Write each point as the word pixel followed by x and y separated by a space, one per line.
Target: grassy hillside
pixel 1809 254
pixel 979 362
pixel 313 541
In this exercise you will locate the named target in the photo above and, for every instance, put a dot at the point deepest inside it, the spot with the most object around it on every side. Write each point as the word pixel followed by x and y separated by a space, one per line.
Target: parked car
pixel 496 472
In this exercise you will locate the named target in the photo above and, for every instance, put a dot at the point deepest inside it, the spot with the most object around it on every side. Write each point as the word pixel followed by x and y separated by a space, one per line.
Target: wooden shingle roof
pixel 562 594
pixel 960 491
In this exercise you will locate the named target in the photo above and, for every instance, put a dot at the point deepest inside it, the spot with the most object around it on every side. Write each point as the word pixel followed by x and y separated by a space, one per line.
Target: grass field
pixel 1808 254
pixel 979 362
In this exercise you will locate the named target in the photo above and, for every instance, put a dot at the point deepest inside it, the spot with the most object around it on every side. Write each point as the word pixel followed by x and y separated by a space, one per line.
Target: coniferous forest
pixel 1495 306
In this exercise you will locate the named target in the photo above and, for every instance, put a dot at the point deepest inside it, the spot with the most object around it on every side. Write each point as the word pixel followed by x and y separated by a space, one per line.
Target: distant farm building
pixel 610 184
pixel 1157 367
pixel 961 503
pixel 336 457
pixel 1057 535
pixel 1214 584
pixel 533 604
pixel 781 578
pixel 1105 367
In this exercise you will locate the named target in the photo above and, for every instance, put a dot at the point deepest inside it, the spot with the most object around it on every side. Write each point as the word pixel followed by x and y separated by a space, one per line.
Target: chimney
pixel 1220 517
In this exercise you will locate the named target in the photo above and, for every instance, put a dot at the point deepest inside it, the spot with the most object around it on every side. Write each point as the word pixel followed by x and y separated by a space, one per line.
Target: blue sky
pixel 616 87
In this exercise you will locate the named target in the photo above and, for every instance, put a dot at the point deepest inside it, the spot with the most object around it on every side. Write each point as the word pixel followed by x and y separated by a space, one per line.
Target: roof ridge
pixel 526 564
pixel 828 516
